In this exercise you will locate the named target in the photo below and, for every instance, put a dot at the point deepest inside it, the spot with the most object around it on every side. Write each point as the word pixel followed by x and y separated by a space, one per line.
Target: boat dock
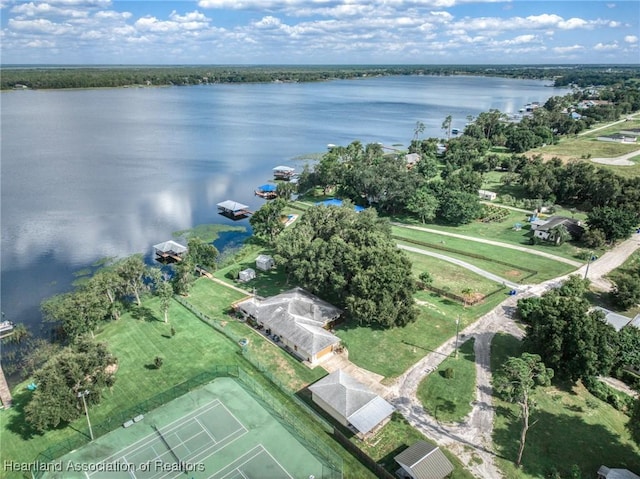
pixel 233 209
pixel 6 329
pixel 5 393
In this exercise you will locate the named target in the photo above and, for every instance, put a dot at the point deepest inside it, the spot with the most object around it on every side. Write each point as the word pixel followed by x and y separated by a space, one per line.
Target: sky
pixel 166 32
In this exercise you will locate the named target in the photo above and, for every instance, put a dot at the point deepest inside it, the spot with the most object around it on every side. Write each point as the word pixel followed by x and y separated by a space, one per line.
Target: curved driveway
pixel 554 257
pixel 464 264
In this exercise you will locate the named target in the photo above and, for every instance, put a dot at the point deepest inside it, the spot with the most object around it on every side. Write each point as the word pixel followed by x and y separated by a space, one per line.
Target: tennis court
pixel 219 431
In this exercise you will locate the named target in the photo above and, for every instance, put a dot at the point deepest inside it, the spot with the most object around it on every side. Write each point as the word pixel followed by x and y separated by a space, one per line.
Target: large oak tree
pixel 350 258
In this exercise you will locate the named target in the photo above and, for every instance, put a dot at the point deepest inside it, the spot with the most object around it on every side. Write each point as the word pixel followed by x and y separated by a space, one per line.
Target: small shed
pixel 246 275
pixel 265 262
pixel 615 473
pixel 487 195
pixel 423 461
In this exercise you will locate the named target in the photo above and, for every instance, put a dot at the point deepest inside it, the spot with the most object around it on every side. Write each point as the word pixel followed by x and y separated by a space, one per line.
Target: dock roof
pixel 267 188
pixel 232 206
pixel 170 247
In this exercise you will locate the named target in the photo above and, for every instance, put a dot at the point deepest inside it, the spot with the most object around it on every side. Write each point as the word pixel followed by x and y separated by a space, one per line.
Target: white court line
pixel 150 438
pixel 276 461
pixel 206 431
pixel 259 446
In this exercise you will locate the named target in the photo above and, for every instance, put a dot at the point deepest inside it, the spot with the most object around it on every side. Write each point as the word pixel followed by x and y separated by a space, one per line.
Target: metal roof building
pixel 424 461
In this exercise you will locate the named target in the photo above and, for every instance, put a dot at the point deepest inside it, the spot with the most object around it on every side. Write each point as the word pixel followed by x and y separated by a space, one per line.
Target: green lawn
pixel 281 366
pixel 395 437
pixel 547 268
pixel 136 339
pixel 498 231
pixel 581 146
pixel 573 428
pixel 449 276
pixel 449 399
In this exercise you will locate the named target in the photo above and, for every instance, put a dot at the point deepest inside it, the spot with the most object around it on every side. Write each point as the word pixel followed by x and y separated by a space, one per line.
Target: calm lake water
pixel 93 173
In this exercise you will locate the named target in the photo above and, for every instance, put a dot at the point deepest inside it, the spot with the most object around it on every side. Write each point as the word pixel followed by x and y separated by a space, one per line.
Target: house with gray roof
pixel 423 461
pixel 618 321
pixel 299 320
pixel 351 403
pixel 547 230
pixel 612 473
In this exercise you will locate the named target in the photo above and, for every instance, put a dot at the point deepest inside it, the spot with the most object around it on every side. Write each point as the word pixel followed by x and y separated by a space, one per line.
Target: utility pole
pixel 457 330
pixel 586 271
pixel 82 394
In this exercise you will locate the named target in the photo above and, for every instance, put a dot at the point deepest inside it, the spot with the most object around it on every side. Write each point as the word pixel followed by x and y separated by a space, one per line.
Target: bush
pixel 158 361
pixel 449 373
pixel 233 272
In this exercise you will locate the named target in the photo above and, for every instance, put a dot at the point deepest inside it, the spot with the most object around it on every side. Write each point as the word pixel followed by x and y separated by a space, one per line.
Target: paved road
pixel 472 438
pixel 495 243
pixel 464 264
pixel 586 132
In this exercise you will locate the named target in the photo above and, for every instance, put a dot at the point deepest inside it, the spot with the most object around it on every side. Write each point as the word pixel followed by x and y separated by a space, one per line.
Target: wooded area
pixel 44 77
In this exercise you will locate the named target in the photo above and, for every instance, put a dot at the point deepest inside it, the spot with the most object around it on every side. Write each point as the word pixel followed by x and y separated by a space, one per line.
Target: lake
pixel 87 174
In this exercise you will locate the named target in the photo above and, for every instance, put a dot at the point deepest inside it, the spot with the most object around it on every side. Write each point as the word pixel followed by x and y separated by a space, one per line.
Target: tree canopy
pixel 75 369
pixel 350 258
pixel 575 343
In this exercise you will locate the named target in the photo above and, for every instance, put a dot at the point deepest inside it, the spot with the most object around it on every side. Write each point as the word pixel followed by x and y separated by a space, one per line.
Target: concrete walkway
pixel 554 257
pixel 464 264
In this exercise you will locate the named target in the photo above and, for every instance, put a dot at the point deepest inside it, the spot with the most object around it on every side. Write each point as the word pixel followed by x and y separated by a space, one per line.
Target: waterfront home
pixel 297 320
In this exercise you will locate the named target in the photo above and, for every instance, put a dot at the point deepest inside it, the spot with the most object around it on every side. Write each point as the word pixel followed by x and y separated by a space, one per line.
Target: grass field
pixel 547 268
pixel 135 339
pixel 449 276
pixel 449 399
pixel 396 436
pixel 573 428
pixel 499 231
pixel 580 147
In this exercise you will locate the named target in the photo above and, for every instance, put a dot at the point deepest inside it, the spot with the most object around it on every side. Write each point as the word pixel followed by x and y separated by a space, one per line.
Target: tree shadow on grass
pixel 17 422
pixel 143 313
pixel 558 441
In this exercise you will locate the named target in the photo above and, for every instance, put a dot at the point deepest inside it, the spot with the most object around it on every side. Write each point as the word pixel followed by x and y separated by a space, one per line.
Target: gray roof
pixel 424 461
pixel 295 315
pixel 170 247
pixel 232 205
pixel 610 473
pixel 618 321
pixel 284 168
pixel 412 158
pixel 572 225
pixel 263 257
pixel 363 408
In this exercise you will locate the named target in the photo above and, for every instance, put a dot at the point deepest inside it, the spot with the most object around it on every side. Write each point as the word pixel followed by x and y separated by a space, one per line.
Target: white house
pixel 487 195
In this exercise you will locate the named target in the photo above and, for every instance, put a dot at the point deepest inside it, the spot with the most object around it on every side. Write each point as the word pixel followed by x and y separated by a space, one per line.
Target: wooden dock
pixel 5 393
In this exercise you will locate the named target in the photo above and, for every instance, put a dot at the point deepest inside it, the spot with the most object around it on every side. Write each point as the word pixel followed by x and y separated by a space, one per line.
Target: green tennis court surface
pixel 219 431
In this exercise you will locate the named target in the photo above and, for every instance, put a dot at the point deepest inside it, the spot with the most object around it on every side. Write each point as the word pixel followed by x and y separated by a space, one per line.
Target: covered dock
pixel 233 209
pixel 268 191
pixel 283 172
pixel 169 252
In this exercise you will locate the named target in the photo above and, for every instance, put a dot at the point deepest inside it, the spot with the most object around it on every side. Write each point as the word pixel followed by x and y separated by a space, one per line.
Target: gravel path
pixel 622 160
pixel 495 243
pixel 472 438
pixel 464 264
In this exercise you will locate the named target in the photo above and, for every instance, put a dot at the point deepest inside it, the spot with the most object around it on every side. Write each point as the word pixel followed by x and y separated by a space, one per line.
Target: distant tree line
pixel 96 77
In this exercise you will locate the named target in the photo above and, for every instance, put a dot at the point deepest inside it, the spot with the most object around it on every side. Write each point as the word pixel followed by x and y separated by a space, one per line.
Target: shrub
pixel 233 272
pixel 158 361
pixel 449 373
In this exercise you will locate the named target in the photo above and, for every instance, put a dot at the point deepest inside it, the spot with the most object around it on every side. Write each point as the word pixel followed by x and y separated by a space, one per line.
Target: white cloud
pixel 32 9
pixel 631 39
pixel 573 23
pixel 39 26
pixel 601 47
pixel 569 49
